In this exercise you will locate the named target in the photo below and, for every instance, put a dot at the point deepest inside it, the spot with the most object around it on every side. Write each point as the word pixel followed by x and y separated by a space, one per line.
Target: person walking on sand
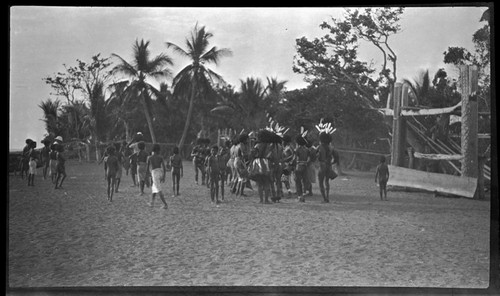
pixel 53 162
pixel 111 166
pixel 213 169
pixel 197 155
pixel 382 175
pixel 142 158
pixel 177 170
pixel 325 159
pixel 224 169
pixel 119 172
pixel 133 168
pixel 25 159
pixel 61 166
pixel 156 163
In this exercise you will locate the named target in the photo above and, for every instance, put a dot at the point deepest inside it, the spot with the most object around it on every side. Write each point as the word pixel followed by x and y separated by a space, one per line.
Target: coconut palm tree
pixel 143 72
pixel 253 99
pixel 275 89
pixel 419 87
pixel 51 118
pixel 196 80
pixel 96 120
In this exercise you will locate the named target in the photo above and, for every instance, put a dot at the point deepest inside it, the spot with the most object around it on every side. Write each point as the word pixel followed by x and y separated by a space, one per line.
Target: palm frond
pixel 124 67
pixel 177 49
pixel 214 55
pixel 158 63
pixel 141 55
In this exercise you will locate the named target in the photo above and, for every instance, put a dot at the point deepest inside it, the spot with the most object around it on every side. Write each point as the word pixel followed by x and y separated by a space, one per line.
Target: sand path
pixel 74 237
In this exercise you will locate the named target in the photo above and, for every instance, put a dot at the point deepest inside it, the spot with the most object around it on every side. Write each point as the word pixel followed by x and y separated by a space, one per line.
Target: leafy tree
pixel 481 57
pixel 142 71
pixel 333 58
pixel 77 85
pixel 196 80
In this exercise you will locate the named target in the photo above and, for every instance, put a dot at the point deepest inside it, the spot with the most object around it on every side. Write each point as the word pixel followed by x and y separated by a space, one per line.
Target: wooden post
pixel 402 126
pixel 468 89
pixel 396 126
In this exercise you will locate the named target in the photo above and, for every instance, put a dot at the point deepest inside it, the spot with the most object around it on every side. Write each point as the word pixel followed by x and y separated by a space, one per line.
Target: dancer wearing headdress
pixel 24 161
pixel 325 159
pixel 302 158
pixel 259 169
pixel 231 164
pixel 244 148
pixel 287 163
pixel 311 170
pixel 276 158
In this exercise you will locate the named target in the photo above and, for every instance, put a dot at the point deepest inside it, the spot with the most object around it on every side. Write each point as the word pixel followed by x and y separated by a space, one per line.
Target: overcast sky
pixel 262 40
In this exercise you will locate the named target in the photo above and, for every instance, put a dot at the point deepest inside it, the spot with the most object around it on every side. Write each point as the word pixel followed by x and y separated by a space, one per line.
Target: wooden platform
pixel 461 186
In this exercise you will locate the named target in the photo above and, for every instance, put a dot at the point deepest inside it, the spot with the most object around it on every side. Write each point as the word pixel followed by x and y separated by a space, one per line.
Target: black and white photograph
pixel 257 149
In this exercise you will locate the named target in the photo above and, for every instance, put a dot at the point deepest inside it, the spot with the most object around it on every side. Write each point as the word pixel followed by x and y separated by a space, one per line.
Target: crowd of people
pixel 269 158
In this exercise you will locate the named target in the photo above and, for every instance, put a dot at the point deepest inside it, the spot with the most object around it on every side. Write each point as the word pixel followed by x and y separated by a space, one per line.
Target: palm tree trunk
pixel 148 119
pixel 128 136
pixel 188 119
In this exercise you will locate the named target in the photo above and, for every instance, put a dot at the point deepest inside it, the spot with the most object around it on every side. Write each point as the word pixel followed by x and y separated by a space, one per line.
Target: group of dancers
pixel 270 158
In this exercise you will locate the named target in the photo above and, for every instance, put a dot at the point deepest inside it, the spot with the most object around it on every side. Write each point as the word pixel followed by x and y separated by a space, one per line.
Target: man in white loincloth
pixel 158 169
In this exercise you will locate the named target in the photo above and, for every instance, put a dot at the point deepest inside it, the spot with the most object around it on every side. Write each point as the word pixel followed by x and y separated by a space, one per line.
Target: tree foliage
pixel 196 80
pixel 333 58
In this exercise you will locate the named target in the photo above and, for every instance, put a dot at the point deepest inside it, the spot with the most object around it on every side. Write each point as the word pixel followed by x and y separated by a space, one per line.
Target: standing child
pixel 382 175
pixel 156 164
pixel 61 166
pixel 177 170
pixel 213 170
pixel 32 166
pixel 110 170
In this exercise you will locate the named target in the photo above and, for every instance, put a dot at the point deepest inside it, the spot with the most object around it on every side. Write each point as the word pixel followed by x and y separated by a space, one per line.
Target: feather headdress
pixel 275 127
pixel 325 127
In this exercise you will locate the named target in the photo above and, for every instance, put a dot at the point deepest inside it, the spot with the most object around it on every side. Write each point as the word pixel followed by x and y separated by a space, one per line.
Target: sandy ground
pixel 73 237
